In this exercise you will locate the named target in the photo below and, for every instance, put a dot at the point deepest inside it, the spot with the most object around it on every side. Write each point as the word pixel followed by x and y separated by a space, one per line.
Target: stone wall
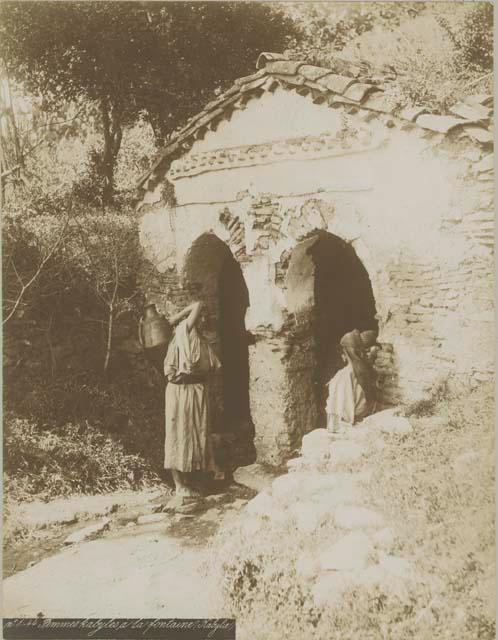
pixel 416 207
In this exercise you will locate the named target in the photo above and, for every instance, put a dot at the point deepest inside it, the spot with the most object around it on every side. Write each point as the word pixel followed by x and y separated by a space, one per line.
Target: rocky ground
pixel 359 535
pixel 138 556
pixel 142 544
pixel 324 490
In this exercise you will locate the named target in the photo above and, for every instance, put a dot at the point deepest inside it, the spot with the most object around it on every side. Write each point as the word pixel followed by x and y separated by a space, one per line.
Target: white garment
pixel 346 399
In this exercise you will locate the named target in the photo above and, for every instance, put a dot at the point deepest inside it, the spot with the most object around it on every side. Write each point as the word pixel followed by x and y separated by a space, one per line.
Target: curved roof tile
pixel 347 84
pixel 440 124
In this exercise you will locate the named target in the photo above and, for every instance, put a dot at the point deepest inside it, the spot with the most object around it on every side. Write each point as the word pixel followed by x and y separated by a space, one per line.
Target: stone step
pixel 88 532
pixel 256 476
pixel 153 517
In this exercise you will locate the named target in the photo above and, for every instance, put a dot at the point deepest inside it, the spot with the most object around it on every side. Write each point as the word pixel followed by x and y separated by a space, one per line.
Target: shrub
pixel 429 406
pixel 74 458
pixel 440 56
pixel 440 52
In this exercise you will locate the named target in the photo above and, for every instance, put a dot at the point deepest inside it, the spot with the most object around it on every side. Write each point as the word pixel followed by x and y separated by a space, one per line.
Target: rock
pixel 473 155
pixel 432 422
pixel 298 464
pixel 351 517
pixel 375 420
pixel 331 488
pixel 345 452
pixel 288 485
pixel 427 616
pixel 131 524
pixel 397 567
pixel 70 519
pixel 464 462
pixel 251 526
pixel 211 515
pixel 344 490
pixel 88 532
pixel 216 497
pixel 255 476
pixel 316 445
pixel 153 517
pixel 161 495
pixel 392 575
pixel 385 538
pixel 460 615
pixel 330 588
pixel 261 505
pixel 176 502
pixel 365 476
pixel 310 516
pixel 350 553
pixel 388 421
pixel 180 517
pixel 307 566
pixel 237 504
pixel 192 507
pixel 358 432
pixel 398 426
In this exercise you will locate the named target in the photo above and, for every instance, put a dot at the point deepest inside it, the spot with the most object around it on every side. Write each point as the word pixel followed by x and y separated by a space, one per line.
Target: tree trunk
pixel 111 122
pixel 160 129
pixel 110 325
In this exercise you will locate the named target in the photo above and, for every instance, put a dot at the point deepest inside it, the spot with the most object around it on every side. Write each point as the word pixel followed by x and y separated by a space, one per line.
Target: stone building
pixel 304 202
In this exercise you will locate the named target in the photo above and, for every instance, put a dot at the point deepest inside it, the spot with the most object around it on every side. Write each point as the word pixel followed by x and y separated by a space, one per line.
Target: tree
pixel 164 58
pixel 106 253
pixel 328 26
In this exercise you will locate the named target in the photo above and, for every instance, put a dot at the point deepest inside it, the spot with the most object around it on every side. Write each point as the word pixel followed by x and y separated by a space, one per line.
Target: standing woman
pixel 188 363
pixel 351 392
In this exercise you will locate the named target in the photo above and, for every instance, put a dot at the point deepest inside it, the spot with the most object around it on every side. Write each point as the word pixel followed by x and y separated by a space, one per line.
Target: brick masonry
pixel 417 208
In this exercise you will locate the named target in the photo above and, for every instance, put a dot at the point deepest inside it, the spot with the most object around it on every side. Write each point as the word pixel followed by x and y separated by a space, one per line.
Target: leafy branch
pixel 25 286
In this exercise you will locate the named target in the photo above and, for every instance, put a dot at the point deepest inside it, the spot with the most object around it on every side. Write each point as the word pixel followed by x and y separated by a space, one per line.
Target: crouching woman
pixel 187 365
pixel 351 392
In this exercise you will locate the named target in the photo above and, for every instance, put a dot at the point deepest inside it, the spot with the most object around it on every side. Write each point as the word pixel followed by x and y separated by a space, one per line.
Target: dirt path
pixel 132 570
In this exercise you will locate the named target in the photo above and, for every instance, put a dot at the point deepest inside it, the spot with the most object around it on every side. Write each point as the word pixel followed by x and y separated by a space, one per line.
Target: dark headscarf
pixel 352 344
pixel 369 339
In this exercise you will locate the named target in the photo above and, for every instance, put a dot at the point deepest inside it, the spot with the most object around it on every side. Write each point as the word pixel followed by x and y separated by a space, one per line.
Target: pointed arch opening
pixel 213 275
pixel 329 290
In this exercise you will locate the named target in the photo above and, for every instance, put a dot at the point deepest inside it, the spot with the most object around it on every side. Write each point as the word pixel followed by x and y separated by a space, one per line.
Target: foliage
pixel 438 52
pixel 329 27
pixel 138 149
pixel 432 56
pixel 429 406
pixel 130 58
pixel 55 344
pixel 92 273
pixel 435 488
pixel 473 37
pixel 76 458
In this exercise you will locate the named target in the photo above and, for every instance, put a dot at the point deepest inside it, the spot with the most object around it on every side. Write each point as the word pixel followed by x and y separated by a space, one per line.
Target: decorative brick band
pixel 305 148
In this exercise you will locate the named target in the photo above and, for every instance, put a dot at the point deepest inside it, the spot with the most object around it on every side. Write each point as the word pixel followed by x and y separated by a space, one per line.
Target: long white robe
pixel 188 445
pixel 346 400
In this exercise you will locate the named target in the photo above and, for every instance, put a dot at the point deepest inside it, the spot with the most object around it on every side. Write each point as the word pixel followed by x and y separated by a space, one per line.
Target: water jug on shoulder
pixel 153 330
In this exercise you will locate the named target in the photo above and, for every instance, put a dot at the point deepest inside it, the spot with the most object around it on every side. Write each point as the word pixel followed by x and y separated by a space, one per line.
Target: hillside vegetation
pixel 434 488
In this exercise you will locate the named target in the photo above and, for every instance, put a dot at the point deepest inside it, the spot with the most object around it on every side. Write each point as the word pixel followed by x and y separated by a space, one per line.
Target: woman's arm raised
pixel 194 314
pixel 173 320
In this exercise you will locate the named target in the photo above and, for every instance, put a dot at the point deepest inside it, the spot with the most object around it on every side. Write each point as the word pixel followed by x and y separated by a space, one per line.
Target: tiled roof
pixel 349 85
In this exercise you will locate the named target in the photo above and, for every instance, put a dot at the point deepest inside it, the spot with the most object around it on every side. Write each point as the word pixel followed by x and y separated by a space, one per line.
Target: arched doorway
pixel 330 290
pixel 212 275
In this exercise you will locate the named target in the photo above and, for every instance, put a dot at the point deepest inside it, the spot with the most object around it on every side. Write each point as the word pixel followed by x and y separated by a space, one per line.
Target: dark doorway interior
pixel 343 300
pixel 214 276
pixel 233 302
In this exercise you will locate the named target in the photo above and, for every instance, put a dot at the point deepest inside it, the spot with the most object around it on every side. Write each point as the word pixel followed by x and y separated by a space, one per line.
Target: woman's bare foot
pixel 182 487
pixel 187 492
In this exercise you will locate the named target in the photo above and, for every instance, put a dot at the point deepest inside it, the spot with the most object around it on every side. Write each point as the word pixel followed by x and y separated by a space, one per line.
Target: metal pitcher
pixel 153 330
